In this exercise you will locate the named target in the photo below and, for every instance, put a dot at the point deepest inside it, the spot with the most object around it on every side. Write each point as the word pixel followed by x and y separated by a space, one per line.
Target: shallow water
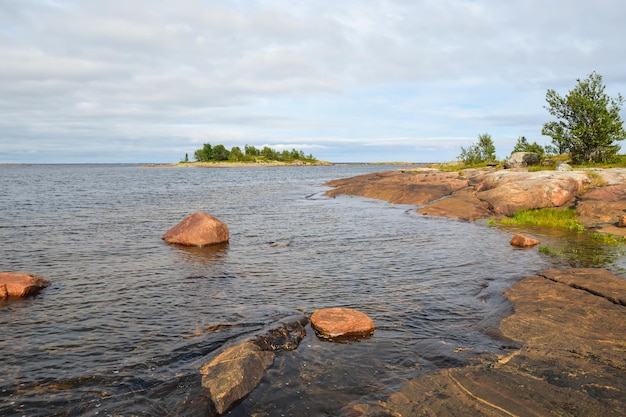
pixel 129 320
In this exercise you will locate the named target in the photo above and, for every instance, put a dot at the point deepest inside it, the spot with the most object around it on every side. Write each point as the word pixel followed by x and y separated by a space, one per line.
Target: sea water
pixel 129 320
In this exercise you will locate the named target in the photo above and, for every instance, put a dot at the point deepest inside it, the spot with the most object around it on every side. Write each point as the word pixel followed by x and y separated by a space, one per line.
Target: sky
pixel 139 81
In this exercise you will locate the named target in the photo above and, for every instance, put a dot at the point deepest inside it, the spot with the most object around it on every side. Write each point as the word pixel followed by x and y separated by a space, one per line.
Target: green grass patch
pixel 546 217
pixel 607 238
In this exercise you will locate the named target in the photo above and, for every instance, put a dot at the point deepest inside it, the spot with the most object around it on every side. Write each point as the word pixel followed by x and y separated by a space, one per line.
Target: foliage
pixel 545 217
pixel 218 153
pixel 480 152
pixel 588 123
pixel 204 154
pixel 522 145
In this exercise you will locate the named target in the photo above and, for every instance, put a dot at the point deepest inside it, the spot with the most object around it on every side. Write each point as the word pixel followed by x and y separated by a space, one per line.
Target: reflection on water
pixel 129 320
pixel 201 254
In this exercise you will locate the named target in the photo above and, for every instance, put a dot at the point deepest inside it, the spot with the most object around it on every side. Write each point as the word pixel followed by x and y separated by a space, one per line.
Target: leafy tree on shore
pixel 220 153
pixel 236 155
pixel 251 151
pixel 205 153
pixel 480 152
pixel 589 122
pixel 522 145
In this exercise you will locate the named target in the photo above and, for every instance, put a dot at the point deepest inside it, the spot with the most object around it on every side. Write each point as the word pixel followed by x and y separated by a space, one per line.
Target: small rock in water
pixel 522 241
pixel 338 322
pixel 20 285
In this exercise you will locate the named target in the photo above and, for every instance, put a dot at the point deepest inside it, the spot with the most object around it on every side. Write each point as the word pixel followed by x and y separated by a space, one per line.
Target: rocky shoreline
pixel 599 195
pixel 568 353
pixel 570 360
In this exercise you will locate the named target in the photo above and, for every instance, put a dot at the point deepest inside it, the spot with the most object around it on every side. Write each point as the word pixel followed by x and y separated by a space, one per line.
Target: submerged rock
pixel 234 373
pixel 20 285
pixel 198 229
pixel 338 322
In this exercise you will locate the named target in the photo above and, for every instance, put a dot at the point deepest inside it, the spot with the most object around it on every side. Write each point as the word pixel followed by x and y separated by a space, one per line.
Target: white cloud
pixel 339 78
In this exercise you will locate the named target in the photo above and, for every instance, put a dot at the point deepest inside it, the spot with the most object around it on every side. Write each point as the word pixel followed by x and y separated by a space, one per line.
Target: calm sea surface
pixel 129 320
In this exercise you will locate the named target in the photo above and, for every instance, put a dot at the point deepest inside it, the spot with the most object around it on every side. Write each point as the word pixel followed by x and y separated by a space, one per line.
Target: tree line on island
pixel 587 128
pixel 251 154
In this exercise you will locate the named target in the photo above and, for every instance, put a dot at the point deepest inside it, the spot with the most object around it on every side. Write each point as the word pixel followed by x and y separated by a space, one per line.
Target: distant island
pixel 212 154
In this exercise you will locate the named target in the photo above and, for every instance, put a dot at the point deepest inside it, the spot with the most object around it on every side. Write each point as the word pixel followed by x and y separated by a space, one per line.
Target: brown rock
pixel 462 204
pixel 510 191
pixel 234 373
pixel 198 229
pixel 570 324
pixel 341 322
pixel 621 222
pixel 400 187
pixel 20 285
pixel 522 241
pixel 602 205
pixel 599 196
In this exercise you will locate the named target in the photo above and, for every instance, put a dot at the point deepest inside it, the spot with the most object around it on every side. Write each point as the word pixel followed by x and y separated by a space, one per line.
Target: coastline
pixel 278 164
pixel 563 349
pixel 597 195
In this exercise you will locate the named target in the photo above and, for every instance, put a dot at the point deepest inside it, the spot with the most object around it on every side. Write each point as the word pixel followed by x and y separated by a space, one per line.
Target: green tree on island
pixel 219 153
pixel 589 122
pixel 480 152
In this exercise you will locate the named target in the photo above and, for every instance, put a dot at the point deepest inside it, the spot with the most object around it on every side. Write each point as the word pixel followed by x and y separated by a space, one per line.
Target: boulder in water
pixel 20 285
pixel 198 229
pixel 522 241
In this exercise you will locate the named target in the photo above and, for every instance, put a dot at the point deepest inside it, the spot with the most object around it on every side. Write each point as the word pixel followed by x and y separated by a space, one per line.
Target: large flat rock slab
pixel 401 187
pixel 572 361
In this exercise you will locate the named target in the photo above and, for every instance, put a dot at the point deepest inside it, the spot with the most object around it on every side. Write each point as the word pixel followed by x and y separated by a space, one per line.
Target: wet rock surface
pixel 572 361
pixel 20 285
pixel 338 322
pixel 237 370
pixel 234 373
pixel 522 241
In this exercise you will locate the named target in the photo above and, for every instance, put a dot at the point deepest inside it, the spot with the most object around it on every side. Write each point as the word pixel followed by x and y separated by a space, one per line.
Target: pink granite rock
pixel 198 229
pixel 522 241
pixel 20 285
pixel 341 322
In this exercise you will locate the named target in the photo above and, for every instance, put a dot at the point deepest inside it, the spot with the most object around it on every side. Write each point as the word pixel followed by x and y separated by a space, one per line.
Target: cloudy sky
pixel 347 81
